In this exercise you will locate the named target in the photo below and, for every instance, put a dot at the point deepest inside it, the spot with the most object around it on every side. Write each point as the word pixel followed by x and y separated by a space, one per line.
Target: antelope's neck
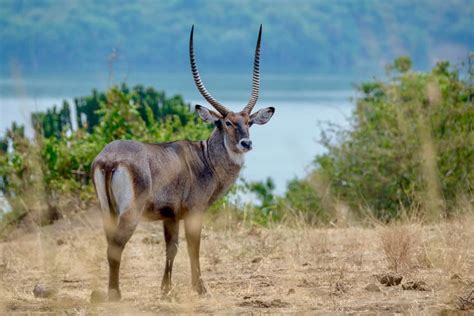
pixel 226 163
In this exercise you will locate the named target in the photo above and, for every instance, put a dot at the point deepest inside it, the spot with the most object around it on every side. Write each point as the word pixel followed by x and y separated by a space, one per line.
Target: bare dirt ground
pixel 246 269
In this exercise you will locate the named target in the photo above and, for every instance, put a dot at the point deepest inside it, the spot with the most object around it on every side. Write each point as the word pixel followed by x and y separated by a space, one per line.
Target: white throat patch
pixel 237 158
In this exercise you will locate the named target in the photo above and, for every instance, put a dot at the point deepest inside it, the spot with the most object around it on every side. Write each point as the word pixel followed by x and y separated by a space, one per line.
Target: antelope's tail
pixel 109 172
pixel 102 178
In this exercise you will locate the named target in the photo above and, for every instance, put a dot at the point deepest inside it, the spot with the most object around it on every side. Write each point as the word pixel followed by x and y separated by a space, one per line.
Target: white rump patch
pixel 122 188
pixel 237 158
pixel 99 180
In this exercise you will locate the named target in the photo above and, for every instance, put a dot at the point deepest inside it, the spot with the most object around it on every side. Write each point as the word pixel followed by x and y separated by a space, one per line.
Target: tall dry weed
pixel 399 243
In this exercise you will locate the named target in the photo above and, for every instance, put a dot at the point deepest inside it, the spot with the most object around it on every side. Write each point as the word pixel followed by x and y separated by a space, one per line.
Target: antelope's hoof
pixel 200 288
pixel 114 295
pixel 166 290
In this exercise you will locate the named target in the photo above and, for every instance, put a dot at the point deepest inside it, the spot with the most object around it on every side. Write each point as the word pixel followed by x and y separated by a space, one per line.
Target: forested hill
pixel 312 36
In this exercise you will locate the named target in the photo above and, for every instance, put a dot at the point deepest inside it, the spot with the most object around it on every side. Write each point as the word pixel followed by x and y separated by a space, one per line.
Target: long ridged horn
pixel 256 76
pixel 197 80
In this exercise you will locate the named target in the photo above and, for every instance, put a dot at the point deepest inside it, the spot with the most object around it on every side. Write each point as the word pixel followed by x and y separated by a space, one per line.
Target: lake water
pixel 283 149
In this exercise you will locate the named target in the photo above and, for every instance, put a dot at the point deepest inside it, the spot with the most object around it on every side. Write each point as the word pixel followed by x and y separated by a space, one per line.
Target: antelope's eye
pixel 228 123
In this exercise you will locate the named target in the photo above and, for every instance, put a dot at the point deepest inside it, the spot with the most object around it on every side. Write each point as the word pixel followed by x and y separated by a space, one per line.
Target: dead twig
pixel 467 302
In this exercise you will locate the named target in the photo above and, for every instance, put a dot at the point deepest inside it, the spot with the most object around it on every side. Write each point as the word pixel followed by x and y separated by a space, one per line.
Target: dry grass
pixel 278 270
pixel 398 244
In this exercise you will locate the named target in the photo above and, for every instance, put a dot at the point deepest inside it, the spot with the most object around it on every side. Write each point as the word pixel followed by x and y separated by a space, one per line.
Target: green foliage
pixel 20 175
pixel 302 198
pixel 299 201
pixel 86 108
pixel 52 123
pixel 264 192
pixel 411 146
pixel 267 210
pixel 143 99
pixel 401 64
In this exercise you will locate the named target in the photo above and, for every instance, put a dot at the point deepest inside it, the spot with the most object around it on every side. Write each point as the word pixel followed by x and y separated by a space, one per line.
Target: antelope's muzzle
pixel 245 144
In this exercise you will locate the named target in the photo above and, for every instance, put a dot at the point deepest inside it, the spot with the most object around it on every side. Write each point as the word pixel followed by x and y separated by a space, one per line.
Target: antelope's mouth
pixel 243 150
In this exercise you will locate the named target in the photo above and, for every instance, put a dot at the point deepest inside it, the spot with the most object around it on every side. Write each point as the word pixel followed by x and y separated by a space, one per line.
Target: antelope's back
pixel 126 152
pixel 158 170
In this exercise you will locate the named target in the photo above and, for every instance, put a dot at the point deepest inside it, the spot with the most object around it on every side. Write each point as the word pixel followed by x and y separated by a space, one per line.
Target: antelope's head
pixel 235 125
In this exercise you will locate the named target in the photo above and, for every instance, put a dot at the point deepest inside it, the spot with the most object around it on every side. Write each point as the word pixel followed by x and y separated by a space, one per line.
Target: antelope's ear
pixel 262 116
pixel 207 115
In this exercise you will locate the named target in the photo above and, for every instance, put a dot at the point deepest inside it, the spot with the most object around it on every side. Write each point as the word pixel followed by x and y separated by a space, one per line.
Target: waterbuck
pixel 174 181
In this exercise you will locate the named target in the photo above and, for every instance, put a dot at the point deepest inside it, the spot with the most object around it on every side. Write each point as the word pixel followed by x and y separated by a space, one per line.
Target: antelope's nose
pixel 246 143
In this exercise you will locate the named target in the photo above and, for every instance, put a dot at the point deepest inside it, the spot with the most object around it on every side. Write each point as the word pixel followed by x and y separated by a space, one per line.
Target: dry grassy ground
pixel 277 270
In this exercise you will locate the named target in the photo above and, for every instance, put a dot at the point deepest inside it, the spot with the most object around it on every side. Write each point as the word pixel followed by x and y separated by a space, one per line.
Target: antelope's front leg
pixel 171 230
pixel 193 226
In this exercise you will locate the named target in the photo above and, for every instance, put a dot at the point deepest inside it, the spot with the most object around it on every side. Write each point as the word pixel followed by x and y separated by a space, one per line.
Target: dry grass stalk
pixel 398 244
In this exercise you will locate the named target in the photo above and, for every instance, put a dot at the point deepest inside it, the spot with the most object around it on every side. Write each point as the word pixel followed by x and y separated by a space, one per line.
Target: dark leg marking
pixel 171 231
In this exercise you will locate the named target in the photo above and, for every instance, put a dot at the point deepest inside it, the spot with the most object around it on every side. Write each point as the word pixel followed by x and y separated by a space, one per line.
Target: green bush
pixel 266 210
pixel 303 200
pixel 410 147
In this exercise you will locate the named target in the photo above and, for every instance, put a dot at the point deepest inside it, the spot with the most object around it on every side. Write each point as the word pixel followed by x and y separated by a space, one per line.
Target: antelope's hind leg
pixel 119 222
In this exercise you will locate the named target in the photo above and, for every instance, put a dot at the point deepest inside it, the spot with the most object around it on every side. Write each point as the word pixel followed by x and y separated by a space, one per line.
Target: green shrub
pixel 266 210
pixel 410 147
pixel 303 200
